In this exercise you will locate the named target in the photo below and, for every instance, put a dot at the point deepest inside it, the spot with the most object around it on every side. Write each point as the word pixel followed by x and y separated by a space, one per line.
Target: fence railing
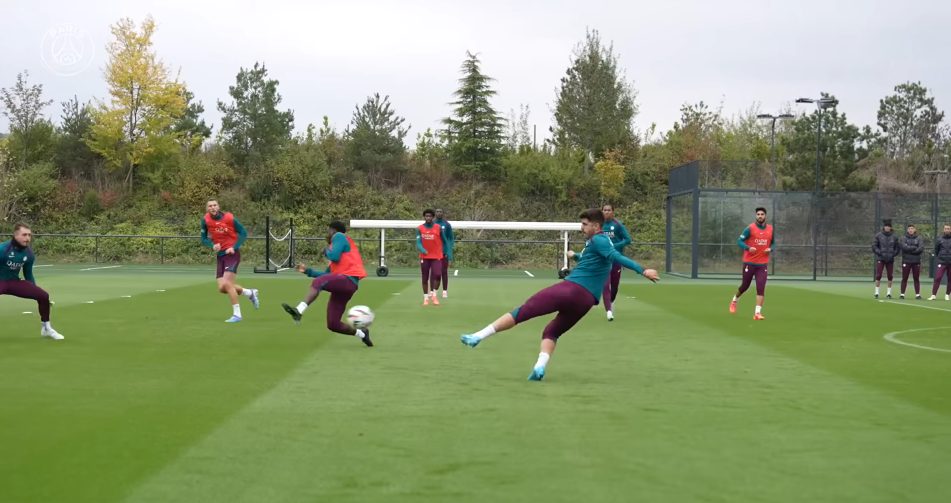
pixel 400 252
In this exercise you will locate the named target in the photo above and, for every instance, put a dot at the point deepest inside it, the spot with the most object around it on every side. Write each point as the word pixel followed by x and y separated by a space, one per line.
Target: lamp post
pixel 772 141
pixel 821 104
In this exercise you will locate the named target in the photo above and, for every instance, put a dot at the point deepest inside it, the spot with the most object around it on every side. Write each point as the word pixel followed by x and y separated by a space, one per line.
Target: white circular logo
pixel 67 50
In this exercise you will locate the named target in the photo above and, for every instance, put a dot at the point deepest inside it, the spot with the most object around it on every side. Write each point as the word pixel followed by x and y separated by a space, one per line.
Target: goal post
pixel 270 264
pixel 564 228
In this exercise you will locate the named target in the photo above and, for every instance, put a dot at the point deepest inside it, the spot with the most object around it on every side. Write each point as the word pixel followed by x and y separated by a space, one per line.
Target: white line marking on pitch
pixel 126 296
pixel 456 273
pixel 284 269
pixel 27 312
pixel 103 267
pixel 160 290
pixel 922 307
pixel 90 302
pixel 42 265
pixel 530 275
pixel 893 337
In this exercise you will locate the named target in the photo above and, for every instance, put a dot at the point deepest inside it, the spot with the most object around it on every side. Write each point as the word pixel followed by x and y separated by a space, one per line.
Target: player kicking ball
pixel 341 279
pixel 571 298
pixel 17 256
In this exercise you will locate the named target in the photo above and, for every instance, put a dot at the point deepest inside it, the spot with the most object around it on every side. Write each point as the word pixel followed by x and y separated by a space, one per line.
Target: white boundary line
pixel 103 267
pixel 530 275
pixel 893 337
pixel 42 265
pixel 917 305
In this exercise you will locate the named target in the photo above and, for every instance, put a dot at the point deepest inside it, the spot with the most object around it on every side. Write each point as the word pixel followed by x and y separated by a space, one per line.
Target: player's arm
pixel 205 240
pixel 446 243
pixel 741 241
pixel 920 248
pixel 604 248
pixel 574 256
pixel 419 243
pixel 876 248
pixel 242 234
pixel 772 242
pixel 338 246
pixel 28 269
pixel 625 237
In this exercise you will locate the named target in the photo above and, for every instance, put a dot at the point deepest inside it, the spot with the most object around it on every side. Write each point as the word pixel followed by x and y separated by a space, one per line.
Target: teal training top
pixel 15 258
pixel 618 234
pixel 594 264
pixel 447 231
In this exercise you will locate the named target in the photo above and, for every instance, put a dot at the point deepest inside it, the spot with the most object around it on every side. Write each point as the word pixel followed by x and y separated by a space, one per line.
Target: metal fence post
pixel 97 249
pixel 695 231
pixel 162 250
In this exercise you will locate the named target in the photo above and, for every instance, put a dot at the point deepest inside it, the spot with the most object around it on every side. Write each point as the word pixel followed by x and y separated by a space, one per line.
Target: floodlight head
pixel 828 102
pixel 805 100
pixel 765 116
pixel 787 116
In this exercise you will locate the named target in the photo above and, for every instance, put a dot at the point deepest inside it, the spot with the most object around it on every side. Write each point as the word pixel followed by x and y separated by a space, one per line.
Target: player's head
pixel 22 235
pixel 439 214
pixel 887 225
pixel 337 226
pixel 911 229
pixel 761 215
pixel 213 207
pixel 608 211
pixel 591 221
pixel 947 230
pixel 428 215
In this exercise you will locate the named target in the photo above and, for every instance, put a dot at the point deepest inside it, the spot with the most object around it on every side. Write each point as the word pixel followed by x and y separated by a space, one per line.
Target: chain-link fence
pixel 818 236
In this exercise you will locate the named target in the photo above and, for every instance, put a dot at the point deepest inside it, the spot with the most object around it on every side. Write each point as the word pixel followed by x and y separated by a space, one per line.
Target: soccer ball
pixel 360 317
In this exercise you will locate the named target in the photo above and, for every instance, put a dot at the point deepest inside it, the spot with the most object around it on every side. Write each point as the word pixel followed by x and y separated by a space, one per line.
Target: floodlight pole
pixel 821 103
pixel 772 140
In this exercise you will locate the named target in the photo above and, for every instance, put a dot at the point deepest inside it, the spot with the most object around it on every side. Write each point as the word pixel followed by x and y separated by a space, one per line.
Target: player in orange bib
pixel 756 241
pixel 224 234
pixel 341 279
pixel 431 243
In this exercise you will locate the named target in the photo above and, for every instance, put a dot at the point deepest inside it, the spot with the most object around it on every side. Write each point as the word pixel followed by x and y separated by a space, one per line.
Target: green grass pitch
pixel 152 397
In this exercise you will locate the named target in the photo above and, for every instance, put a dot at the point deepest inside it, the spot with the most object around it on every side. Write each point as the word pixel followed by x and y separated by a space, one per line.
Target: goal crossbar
pixel 564 227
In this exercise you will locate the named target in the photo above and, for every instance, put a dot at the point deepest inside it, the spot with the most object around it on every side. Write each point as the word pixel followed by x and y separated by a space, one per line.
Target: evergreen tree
pixel 475 131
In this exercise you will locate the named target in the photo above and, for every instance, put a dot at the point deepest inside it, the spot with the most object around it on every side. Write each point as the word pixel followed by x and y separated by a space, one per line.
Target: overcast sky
pixel 329 56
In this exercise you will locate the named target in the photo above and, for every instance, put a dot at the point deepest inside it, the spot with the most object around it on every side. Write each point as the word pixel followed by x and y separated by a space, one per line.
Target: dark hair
pixel 757 210
pixel 607 204
pixel 338 226
pixel 593 215
pixel 428 211
pixel 910 225
pixel 20 225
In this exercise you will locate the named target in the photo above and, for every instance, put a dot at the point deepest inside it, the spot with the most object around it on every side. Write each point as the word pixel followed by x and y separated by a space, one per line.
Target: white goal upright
pixel 565 228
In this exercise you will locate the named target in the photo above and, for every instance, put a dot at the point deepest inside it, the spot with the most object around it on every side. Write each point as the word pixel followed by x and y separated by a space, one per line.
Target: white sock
pixel 485 332
pixel 301 307
pixel 888 292
pixel 759 309
pixel 360 334
pixel 542 360
pixel 46 325
pixel 247 292
pixel 734 298
pixel 876 290
pixel 433 294
pixel 236 309
pixel 425 296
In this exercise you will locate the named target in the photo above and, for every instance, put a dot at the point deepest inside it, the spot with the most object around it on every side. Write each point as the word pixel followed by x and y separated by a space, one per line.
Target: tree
pixel 73 156
pixel 330 143
pixel 610 171
pixel 134 128
pixel 595 108
pixel 252 128
pixel 475 129
pixel 30 133
pixel 519 134
pixel 190 128
pixel 375 139
pixel 909 120
pixel 838 166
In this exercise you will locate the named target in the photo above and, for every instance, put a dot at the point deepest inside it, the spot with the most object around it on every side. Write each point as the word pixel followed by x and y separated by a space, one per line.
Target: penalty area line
pixel 530 275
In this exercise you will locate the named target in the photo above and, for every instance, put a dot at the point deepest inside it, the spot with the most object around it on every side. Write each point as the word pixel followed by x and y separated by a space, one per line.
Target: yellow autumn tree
pixel 610 172
pixel 133 127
